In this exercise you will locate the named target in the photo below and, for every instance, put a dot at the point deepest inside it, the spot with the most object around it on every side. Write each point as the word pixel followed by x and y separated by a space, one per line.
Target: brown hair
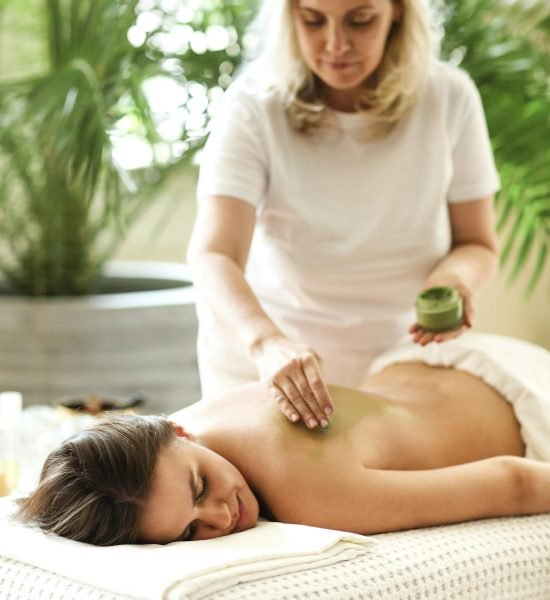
pixel 92 487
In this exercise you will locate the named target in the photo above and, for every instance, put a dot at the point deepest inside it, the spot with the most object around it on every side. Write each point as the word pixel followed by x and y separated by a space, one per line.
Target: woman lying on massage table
pixel 418 445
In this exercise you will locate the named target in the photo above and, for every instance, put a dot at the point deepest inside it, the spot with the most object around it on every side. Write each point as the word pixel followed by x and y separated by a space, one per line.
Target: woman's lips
pixel 339 66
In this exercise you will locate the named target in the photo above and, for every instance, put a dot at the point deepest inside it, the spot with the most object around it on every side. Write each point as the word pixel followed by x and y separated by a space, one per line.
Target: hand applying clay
pixel 293 375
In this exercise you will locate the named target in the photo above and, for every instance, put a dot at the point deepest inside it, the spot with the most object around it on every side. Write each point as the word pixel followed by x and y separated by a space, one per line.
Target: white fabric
pixel 493 559
pixel 346 230
pixel 197 568
pixel 520 371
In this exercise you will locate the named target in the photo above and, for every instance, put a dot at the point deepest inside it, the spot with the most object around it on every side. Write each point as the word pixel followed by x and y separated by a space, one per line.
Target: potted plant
pixel 85 145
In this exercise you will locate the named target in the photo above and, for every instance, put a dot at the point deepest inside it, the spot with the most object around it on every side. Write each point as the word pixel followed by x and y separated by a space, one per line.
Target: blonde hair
pixel 279 67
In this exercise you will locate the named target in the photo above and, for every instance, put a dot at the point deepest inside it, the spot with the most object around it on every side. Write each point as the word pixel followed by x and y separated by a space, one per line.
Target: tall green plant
pixel 505 46
pixel 65 199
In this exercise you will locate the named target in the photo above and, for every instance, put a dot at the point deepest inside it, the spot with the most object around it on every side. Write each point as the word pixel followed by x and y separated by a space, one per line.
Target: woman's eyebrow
pixel 353 9
pixel 313 12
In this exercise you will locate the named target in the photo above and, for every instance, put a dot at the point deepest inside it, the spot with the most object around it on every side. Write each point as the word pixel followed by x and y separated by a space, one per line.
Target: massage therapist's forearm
pixel 290 370
pixel 218 252
pixel 473 258
pixel 471 264
pixel 223 286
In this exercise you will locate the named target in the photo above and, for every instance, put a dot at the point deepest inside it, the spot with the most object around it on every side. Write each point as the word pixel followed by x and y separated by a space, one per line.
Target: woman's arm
pixel 218 252
pixel 472 261
pixel 376 501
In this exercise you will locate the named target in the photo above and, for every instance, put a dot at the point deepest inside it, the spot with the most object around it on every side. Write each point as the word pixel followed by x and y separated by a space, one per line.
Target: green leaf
pixel 506 50
pixel 539 268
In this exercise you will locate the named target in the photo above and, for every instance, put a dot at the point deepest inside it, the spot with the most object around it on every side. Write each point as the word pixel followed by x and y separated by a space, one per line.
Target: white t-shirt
pixel 347 230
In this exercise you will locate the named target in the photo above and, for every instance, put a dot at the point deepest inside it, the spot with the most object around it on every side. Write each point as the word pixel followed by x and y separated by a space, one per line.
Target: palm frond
pixel 57 150
pixel 505 47
pixel 65 201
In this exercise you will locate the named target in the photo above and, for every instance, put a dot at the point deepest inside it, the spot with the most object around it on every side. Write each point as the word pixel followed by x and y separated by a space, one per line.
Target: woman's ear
pixel 180 431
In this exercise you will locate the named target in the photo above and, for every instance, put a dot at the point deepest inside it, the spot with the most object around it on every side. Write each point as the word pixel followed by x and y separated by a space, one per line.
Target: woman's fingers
pixel 468 311
pixel 422 337
pixel 317 385
pixel 284 405
pixel 295 402
pixel 449 335
pixel 297 394
pixel 293 375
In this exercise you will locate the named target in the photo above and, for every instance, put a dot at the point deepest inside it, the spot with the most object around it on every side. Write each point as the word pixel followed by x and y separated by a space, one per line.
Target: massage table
pixel 493 559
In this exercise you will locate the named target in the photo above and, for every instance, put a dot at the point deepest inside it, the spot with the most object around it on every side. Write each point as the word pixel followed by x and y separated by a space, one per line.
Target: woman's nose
pixel 336 41
pixel 215 517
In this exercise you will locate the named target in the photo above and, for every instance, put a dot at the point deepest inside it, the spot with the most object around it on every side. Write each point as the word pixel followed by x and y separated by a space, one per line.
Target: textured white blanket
pixel 197 569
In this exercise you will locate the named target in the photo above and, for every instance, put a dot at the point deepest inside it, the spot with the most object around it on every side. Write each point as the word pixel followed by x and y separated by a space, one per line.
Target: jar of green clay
pixel 439 309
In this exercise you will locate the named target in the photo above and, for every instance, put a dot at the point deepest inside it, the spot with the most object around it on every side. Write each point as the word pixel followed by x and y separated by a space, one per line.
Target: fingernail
pixel 324 424
pixel 312 423
pixel 294 417
pixel 328 410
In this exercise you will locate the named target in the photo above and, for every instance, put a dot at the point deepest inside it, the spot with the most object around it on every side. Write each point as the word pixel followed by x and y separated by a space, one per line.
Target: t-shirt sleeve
pixel 234 162
pixel 474 171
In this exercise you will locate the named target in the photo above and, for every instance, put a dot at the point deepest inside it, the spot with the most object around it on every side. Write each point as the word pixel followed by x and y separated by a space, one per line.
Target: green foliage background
pixel 70 82
pixel 69 77
pixel 505 46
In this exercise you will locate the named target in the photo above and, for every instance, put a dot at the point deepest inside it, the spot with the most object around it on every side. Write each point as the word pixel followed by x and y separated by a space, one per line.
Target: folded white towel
pixel 181 569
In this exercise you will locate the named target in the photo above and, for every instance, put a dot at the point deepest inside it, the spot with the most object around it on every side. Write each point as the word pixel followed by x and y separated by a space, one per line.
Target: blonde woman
pixel 347 170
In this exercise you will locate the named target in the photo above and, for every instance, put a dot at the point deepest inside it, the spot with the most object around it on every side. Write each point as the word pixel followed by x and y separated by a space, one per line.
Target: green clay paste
pixel 439 309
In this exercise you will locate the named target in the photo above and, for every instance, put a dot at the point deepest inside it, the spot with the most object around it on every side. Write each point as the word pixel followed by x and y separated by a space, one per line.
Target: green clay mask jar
pixel 439 309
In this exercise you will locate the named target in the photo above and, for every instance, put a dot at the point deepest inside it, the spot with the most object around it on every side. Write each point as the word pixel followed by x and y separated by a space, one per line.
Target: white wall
pixel 163 231
pixel 502 308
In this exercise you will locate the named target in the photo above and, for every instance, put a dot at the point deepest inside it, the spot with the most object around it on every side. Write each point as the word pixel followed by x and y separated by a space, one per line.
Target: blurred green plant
pixel 505 46
pixel 100 100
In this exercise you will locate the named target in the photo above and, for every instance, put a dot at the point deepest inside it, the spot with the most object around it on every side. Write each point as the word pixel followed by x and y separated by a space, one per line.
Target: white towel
pixel 181 569
pixel 517 369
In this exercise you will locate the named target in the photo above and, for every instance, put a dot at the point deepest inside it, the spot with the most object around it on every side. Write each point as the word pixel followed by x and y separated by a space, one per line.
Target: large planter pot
pixel 137 335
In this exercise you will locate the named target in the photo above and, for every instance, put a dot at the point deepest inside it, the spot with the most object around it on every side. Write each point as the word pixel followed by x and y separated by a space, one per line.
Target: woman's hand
pixel 292 373
pixel 423 337
pixel 471 262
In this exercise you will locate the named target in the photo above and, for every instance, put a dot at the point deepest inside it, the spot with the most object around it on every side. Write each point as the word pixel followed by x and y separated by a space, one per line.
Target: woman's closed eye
pixel 313 20
pixel 199 496
pixel 204 489
pixel 361 21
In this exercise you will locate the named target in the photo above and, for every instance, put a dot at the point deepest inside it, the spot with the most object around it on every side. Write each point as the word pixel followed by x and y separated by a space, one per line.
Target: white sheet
pixel 492 559
pixel 196 569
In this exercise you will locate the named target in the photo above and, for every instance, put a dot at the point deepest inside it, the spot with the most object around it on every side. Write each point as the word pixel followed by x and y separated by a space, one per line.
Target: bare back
pixel 408 417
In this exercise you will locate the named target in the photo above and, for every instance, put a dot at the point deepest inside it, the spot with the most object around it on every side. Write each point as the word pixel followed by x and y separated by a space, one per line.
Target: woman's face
pixel 343 42
pixel 195 495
